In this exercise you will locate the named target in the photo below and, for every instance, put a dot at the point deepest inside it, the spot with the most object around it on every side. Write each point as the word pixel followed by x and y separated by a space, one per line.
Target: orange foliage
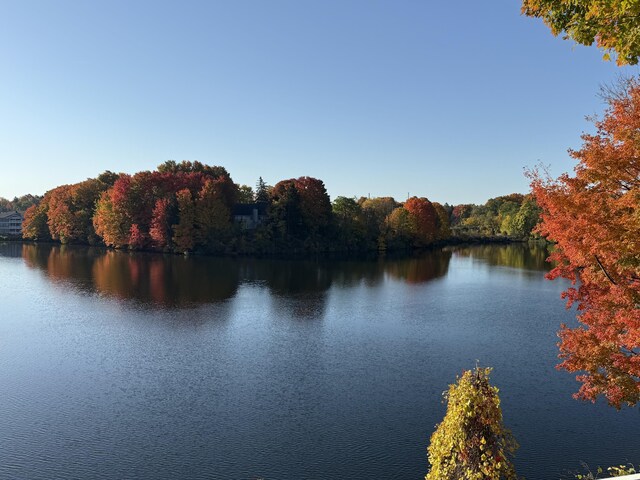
pixel 595 219
pixel 314 201
pixel 160 229
pixel 35 225
pixel 425 217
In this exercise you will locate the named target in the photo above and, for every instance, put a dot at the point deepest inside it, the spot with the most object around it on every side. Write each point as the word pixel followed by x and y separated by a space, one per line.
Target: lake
pixel 148 366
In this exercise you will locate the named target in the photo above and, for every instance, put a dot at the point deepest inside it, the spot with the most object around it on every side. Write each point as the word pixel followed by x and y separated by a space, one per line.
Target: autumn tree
pixel 443 222
pixel 34 226
pixel 425 220
pixel 161 221
pixel 594 219
pixel 285 215
pixel 186 167
pixel 613 25
pixel 460 213
pixel 184 231
pixel 401 228
pixel 375 212
pixel 70 209
pixel 472 443
pixel 60 217
pixel 112 218
pixel 378 208
pixel 138 210
pixel 300 212
pixel 212 216
pixel 314 203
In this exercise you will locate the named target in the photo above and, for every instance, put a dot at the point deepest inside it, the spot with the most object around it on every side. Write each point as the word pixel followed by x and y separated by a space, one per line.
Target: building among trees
pixel 11 223
pixel 249 215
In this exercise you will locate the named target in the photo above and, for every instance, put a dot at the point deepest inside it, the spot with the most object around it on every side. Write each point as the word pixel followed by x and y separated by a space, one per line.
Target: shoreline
pixel 323 254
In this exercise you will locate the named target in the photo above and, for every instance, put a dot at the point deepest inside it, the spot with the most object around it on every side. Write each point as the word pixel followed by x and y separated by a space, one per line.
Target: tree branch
pixel 605 271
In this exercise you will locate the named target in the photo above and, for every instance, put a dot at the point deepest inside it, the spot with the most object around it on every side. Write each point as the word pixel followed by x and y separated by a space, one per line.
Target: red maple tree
pixel 594 219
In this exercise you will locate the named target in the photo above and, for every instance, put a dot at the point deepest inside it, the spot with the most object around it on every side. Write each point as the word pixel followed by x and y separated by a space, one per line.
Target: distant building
pixel 249 215
pixel 11 223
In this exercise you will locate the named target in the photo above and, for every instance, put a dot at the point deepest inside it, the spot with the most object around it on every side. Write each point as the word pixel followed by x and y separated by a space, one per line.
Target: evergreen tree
pixel 262 192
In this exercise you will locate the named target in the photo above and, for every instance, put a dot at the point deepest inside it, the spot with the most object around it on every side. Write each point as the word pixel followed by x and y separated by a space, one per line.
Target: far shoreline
pixel 457 241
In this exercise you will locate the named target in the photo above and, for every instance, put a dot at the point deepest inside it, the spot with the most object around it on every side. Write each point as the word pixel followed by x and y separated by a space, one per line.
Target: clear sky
pixel 448 100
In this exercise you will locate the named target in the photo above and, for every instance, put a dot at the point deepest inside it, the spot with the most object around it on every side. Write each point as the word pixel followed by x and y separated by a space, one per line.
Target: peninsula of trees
pixel 190 206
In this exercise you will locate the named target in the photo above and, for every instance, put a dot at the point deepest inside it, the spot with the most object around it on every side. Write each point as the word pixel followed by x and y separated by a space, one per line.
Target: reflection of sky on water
pixel 278 369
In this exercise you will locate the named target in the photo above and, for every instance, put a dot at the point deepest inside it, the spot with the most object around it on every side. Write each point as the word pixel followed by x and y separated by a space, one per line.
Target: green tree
pixel 262 192
pixel 19 203
pixel 245 194
pixel 506 213
pixel 471 443
pixel 526 219
pixel 285 214
pixel 349 221
pixel 614 25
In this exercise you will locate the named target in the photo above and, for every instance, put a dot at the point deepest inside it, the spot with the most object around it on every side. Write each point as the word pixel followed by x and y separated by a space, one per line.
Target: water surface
pixel 117 365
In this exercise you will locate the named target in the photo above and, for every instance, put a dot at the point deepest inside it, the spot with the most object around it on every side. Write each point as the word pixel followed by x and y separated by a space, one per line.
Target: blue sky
pixel 448 100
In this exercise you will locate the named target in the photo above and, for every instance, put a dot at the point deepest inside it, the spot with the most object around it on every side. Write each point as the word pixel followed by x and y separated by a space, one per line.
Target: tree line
pixel 19 204
pixel 189 206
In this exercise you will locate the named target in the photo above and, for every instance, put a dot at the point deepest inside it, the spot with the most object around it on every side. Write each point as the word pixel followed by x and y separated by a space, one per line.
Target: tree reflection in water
pixel 429 266
pixel 160 280
pixel 522 256
pixel 298 287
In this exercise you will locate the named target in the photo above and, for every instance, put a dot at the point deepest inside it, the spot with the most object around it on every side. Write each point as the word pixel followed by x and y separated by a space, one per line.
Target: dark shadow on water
pixel 11 249
pixel 163 281
pixel 426 267
pixel 298 287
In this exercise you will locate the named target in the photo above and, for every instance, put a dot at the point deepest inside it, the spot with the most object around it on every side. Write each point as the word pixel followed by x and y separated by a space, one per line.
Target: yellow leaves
pixel 471 438
pixel 612 25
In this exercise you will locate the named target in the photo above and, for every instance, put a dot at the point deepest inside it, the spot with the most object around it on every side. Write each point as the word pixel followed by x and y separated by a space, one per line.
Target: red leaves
pixel 160 229
pixel 594 218
pixel 425 217
pixel 137 212
pixel 183 232
pixel 314 201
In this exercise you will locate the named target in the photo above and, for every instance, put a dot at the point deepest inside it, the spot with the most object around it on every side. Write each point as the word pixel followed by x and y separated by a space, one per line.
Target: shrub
pixel 471 443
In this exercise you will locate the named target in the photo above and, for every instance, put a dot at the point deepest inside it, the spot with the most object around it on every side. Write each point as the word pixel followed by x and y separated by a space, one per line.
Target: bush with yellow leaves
pixel 471 443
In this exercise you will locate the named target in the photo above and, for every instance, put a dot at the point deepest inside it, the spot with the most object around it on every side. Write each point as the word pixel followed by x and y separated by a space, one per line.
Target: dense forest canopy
pixel 190 206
